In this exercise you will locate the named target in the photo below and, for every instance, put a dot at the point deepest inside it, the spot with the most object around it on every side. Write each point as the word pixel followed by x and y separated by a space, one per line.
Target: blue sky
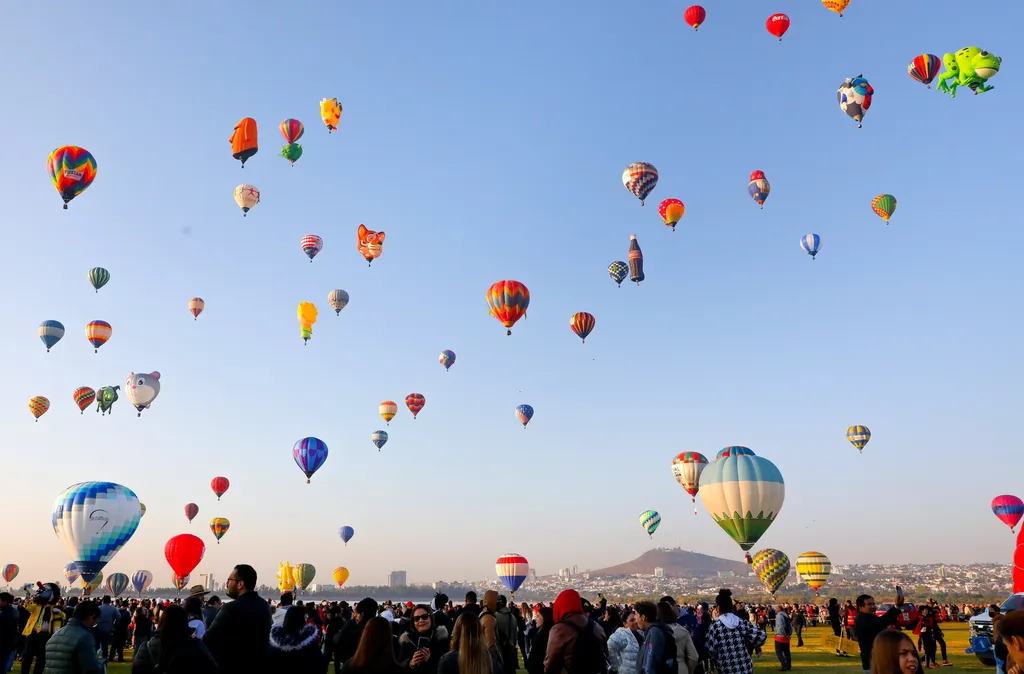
pixel 487 140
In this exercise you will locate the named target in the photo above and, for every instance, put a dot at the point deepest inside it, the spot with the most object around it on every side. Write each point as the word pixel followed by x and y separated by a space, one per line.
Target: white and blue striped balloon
pixel 811 243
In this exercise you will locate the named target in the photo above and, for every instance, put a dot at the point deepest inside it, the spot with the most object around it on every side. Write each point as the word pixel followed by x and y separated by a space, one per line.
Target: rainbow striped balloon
pixel 72 169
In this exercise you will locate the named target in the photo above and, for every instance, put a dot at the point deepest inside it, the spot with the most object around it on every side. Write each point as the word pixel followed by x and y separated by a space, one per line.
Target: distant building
pixel 532 575
pixel 942 572
pixel 397 579
pixel 726 574
pixel 208 581
pixel 659 572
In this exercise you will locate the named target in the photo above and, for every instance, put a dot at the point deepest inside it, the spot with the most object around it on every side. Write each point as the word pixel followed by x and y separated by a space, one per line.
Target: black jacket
pixel 240 635
pixel 346 641
pixel 191 657
pixel 9 631
pixel 296 652
pixel 867 626
pixel 408 644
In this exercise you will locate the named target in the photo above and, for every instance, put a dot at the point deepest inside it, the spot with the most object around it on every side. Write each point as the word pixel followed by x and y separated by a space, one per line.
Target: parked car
pixel 907 619
pixel 981 624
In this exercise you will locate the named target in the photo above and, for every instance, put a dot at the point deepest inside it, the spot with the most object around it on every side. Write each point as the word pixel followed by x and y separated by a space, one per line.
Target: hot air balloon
pixel 686 468
pixel 83 397
pixel 640 178
pixel 219 485
pixel 415 403
pixel 524 413
pixel 649 520
pixel 340 575
pixel 94 520
pixel 811 243
pixel 142 507
pixel 307 313
pixel 72 169
pixel 924 68
pixel 98 277
pixel 184 552
pixel 636 260
pixel 292 130
pixel 10 572
pixel 379 438
pixel 582 324
pixel 311 244
pixel 244 140
pixel 369 243
pixel 346 534
pixel 758 187
pixel 734 450
pixel 777 25
pixel 38 405
pixel 855 94
pixel 771 567
pixel 512 569
pixel 285 581
pixel 884 205
pixel 309 454
pixel 618 271
pixel 246 196
pixel 191 510
pixel 743 493
pixel 98 332
pixel 219 526
pixel 694 16
pixel 117 583
pixel 388 409
pixel 338 299
pixel 71 573
pixel 858 437
pixel 141 580
pixel 330 112
pixel 50 333
pixel 447 358
pixel 836 6
pixel 671 211
pixel 105 399
pixel 142 389
pixel 303 575
pixel 1009 509
pixel 814 568
pixel 180 582
pixel 508 301
pixel 292 152
pixel 196 306
pixel 90 585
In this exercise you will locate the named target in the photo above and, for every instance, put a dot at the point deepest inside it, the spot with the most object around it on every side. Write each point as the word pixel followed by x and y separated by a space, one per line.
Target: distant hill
pixel 678 563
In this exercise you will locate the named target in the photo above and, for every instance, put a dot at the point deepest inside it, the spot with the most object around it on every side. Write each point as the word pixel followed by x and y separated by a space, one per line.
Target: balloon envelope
pixel 743 493
pixel 771 567
pixel 141 580
pixel 512 569
pixel 1009 509
pixel 94 520
pixel 346 534
pixel 814 568
pixel 184 552
pixel 117 583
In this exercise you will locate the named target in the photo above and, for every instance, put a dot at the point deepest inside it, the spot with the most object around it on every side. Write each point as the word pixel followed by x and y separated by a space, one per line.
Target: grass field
pixel 814 657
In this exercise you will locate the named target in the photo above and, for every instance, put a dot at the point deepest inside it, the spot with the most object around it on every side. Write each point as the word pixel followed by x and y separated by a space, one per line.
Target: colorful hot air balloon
pixel 508 301
pixel 98 332
pixel 244 140
pixel 306 313
pixel 340 575
pixel 855 95
pixel 836 6
pixel 811 243
pixel 311 244
pixel 180 582
pixel 671 211
pixel 338 299
pixel 777 25
pixel 38 405
pixel 640 178
pixel 303 575
pixel 582 324
pixel 184 552
pixel 512 569
pixel 524 413
pixel 636 260
pixel 246 196
pixel 758 187
pixel 191 510
pixel 884 205
pixel 388 409
pixel 743 493
pixel 91 585
pixel 117 583
pixel 72 169
pixel 291 130
pixel 94 520
pixel 369 243
pixel 858 437
pixel 379 438
pixel 686 468
pixel 415 403
pixel 71 573
pixel 330 112
pixel 219 526
pixel 771 567
pixel 196 306
pixel 219 485
pixel 447 358
pixel 694 16
pixel 309 454
pixel 650 520
pixel 814 568
pixel 346 533
pixel 141 580
pixel 105 399
pixel 618 271
pixel 734 450
pixel 1009 509
pixel 10 572
pixel 142 389
pixel 98 277
pixel 50 333
pixel 924 68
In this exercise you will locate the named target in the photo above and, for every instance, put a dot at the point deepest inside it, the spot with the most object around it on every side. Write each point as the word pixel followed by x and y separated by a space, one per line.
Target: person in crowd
pixel 507 633
pixel 658 653
pixel 624 645
pixel 543 621
pixel 119 638
pixel 893 652
pixel 294 645
pixel 488 620
pixel 730 640
pixel 72 649
pixel 143 629
pixel 834 618
pixel 925 629
pixel 470 653
pixel 347 640
pixel 213 605
pixel 9 621
pixel 799 618
pixel 282 607
pixel 783 633
pixel 104 630
pixel 940 639
pixel 174 649
pixel 868 625
pixel 193 606
pixel 422 647
pixel 375 653
pixel 686 652
pixel 571 623
pixel 471 604
pixel 240 634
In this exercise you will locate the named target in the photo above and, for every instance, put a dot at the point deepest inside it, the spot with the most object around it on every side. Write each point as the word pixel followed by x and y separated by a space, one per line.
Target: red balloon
pixel 219 485
pixel 191 510
pixel 694 16
pixel 777 25
pixel 184 552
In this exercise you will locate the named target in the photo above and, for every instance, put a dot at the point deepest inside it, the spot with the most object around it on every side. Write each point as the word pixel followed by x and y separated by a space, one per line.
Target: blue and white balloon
pixel 811 243
pixel 94 520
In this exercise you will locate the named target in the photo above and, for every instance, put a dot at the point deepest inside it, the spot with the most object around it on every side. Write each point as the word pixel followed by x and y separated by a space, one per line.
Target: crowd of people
pixel 200 634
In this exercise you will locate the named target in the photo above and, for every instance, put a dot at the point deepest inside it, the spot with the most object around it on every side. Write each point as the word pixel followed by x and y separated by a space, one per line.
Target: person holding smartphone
pixel 421 648
pixel 867 625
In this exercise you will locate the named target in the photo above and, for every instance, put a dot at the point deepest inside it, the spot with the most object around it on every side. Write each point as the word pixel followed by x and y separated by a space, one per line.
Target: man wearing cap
pixel 193 605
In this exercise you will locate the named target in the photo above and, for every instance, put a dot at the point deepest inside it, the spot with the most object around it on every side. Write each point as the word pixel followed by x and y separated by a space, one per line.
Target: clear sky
pixel 487 140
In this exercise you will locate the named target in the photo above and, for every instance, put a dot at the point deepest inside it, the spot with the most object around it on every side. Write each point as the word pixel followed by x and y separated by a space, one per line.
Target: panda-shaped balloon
pixel 142 389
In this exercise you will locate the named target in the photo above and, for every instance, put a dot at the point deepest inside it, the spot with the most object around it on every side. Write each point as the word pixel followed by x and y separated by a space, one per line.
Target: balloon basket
pixel 65 207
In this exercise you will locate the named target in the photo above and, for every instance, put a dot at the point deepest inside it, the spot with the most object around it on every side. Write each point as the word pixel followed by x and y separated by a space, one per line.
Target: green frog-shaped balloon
pixel 970 67
pixel 105 399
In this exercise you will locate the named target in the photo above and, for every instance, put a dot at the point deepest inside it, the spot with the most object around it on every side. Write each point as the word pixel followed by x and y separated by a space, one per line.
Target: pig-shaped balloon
pixel 142 389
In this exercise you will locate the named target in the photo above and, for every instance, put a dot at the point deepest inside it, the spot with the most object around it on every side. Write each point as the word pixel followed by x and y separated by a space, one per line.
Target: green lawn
pixel 815 656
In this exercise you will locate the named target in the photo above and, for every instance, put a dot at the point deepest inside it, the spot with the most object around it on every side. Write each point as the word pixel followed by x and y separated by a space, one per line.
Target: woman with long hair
pixel 295 646
pixel 544 620
pixel 375 653
pixel 173 649
pixel 469 654
pixel 894 653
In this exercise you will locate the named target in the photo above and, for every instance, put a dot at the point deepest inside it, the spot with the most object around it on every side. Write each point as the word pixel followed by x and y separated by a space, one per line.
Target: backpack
pixel 587 651
pixel 669 663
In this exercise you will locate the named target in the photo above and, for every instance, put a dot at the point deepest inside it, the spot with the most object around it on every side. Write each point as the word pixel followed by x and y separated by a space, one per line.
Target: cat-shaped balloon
pixel 142 389
pixel 371 243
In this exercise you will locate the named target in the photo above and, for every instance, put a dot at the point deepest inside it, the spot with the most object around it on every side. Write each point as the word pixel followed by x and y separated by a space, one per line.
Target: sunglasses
pixel 423 617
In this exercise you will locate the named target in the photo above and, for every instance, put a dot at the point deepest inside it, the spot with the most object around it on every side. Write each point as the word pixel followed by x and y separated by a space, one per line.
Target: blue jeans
pixel 8 661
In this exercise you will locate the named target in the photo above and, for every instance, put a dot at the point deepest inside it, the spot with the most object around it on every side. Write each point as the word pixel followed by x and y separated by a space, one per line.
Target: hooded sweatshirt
pixel 568 607
pixel 488 623
pixel 730 641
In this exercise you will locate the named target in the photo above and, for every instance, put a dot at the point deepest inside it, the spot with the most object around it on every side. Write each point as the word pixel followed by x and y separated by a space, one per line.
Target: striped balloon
pixel 858 436
pixel 582 324
pixel 98 277
pixel 686 468
pixel 141 580
pixel 650 520
pixel 508 301
pixel 512 569
pixel 640 178
pixel 309 454
pixel 814 568
pixel 447 358
pixel 38 406
pixel 219 526
pixel 71 573
pixel 618 270
pixel 50 333
pixel 884 205
pixel 1009 509
pixel 743 493
pixel 84 396
pixel 72 169
pixel 10 572
pixel 524 413
pixel 191 510
pixel 388 409
pixel 338 299
pixel 415 403
pixel 311 244
pixel 98 332
pixel 379 438
pixel 116 583
pixel 811 243
pixel 771 567
pixel 924 68
pixel 292 130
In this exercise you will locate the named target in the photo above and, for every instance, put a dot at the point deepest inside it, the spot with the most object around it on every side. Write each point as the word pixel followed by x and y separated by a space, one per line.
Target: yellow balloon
pixel 330 112
pixel 285 581
pixel 340 575
pixel 307 313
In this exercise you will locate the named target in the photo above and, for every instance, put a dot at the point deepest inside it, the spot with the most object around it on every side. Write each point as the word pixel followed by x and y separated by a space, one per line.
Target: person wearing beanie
pixel 570 623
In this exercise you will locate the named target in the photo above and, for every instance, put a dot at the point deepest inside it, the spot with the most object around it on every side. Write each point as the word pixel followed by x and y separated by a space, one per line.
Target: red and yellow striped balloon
pixel 508 301
pixel 292 130
pixel 38 406
pixel 98 332
pixel 415 403
pixel 84 396
pixel 582 324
